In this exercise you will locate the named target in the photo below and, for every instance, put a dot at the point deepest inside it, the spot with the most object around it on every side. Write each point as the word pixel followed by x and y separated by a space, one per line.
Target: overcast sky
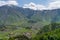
pixel 33 4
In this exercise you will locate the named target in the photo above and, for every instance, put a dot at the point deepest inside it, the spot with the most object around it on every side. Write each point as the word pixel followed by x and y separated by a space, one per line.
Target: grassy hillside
pixel 17 23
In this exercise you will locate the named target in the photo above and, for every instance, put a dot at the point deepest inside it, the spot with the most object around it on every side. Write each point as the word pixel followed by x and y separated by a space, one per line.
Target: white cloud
pixel 53 5
pixel 2 3
pixel 34 6
pixel 56 0
pixel 40 7
pixel 30 5
pixel 9 2
pixel 12 2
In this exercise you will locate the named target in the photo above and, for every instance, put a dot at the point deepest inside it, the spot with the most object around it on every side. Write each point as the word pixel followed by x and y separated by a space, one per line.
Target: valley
pixel 17 23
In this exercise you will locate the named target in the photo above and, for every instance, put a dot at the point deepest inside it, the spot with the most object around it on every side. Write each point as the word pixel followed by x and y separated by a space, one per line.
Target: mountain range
pixel 25 17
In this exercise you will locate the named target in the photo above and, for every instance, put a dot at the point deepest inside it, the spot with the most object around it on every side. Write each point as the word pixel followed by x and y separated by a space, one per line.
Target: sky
pixel 33 4
pixel 44 2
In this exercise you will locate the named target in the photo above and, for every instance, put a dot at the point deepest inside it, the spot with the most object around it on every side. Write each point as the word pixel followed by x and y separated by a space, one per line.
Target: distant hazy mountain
pixel 14 15
pixel 10 14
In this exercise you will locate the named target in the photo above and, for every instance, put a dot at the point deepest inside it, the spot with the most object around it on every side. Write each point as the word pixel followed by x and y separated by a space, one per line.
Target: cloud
pixel 9 2
pixel 52 5
pixel 30 5
pixel 2 3
pixel 12 2
pixel 40 7
pixel 56 0
pixel 34 6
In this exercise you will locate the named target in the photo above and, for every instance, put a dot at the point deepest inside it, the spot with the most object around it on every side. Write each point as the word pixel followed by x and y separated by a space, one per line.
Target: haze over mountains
pixel 14 15
pixel 29 19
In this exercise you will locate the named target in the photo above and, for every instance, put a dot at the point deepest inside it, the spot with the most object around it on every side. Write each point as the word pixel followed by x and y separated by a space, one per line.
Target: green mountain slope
pixel 14 15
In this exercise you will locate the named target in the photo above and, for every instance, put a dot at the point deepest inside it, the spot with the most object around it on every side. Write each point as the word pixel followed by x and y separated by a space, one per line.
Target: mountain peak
pixel 9 5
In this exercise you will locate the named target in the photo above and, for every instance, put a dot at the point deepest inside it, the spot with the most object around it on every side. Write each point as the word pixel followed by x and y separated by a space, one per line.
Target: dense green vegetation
pixel 52 35
pixel 17 23
pixel 48 32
